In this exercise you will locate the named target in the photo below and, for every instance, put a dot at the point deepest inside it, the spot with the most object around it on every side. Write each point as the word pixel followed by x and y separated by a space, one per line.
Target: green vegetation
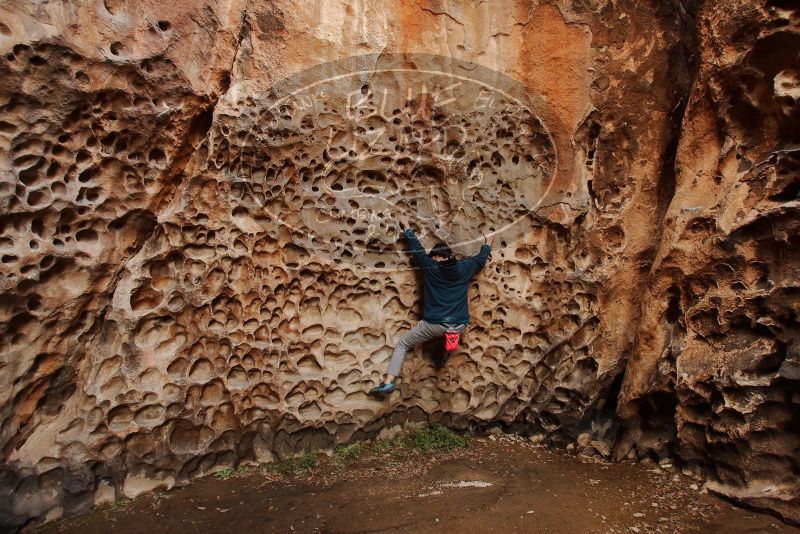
pixel 348 452
pixel 418 438
pixel 423 438
pixel 382 446
pixel 345 454
pixel 227 472
pixel 120 504
pixel 294 466
pixel 224 474
pixel 435 437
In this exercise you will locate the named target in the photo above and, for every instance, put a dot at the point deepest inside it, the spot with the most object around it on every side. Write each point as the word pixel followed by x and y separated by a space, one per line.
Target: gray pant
pixel 422 332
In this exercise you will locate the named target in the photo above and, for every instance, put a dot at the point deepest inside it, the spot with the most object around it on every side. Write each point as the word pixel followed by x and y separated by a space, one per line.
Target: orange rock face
pixel 201 201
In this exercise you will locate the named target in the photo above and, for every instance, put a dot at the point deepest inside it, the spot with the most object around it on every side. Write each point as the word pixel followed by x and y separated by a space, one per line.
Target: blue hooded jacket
pixel 444 287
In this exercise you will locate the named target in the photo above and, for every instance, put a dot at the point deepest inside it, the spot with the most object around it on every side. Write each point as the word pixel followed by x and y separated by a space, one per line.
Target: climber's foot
pixel 383 389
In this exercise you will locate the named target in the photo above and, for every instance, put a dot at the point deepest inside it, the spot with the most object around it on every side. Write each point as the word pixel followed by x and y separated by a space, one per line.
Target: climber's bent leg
pixel 422 332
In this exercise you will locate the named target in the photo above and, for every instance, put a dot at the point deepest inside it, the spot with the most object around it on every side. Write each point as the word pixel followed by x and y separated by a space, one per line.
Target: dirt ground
pixel 498 484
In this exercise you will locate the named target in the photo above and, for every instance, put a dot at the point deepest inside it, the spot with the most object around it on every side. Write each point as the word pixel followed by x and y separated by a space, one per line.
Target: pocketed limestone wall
pixel 200 264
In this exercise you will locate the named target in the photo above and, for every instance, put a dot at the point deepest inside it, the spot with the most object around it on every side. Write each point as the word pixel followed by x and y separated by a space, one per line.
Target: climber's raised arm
pixel 416 249
pixel 477 261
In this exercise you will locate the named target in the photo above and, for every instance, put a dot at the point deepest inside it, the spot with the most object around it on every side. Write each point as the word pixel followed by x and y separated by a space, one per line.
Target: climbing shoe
pixel 383 389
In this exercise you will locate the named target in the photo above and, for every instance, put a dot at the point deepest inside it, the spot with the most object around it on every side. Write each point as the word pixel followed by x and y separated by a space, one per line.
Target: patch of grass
pixel 435 437
pixel 345 454
pixel 348 453
pixel 224 474
pixel 228 472
pixel 422 438
pixel 382 446
pixel 119 504
pixel 294 466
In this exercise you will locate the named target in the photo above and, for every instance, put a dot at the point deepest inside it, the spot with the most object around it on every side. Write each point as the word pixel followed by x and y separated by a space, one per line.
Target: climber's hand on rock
pixel 489 237
pixel 404 229
pixel 405 224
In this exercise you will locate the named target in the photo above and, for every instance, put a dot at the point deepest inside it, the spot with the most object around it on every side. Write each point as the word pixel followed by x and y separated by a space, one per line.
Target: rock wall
pixel 199 253
pixel 714 375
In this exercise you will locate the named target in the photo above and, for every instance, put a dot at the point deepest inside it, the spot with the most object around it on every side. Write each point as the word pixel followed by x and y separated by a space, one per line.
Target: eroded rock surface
pixel 714 377
pixel 201 202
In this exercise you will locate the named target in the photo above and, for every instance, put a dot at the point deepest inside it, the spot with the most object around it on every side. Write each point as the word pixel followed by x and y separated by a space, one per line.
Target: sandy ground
pixel 498 484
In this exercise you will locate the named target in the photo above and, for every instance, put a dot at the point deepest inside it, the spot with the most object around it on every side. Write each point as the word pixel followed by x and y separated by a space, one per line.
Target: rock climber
pixel 445 310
